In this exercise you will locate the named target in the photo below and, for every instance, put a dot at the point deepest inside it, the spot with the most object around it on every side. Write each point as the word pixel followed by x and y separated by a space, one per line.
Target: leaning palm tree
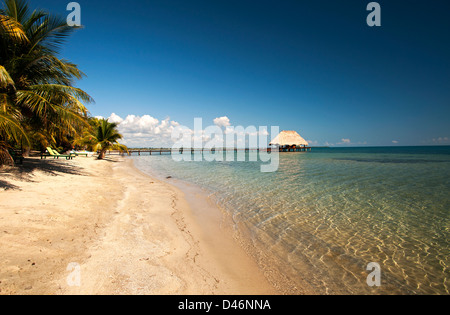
pixel 37 92
pixel 103 136
pixel 10 127
pixel 10 131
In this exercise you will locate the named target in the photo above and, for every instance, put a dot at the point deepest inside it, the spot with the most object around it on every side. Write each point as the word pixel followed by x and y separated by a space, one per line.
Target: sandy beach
pixel 102 227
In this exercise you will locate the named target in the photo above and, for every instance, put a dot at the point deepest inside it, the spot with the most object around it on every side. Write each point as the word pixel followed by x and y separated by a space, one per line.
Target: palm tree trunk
pixel 25 150
pixel 102 154
pixel 5 157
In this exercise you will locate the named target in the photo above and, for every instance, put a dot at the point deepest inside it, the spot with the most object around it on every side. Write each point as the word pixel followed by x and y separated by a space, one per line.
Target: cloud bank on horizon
pixel 144 131
pixel 147 131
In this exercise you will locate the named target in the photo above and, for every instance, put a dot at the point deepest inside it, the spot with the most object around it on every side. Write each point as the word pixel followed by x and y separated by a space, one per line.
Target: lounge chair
pixel 71 155
pixel 45 154
pixel 56 154
pixel 80 153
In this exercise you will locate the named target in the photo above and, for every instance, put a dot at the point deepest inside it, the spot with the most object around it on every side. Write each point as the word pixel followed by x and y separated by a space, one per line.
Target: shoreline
pixel 203 203
pixel 120 232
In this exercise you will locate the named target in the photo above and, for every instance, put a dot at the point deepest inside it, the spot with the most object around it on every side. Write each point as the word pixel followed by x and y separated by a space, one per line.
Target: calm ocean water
pixel 326 214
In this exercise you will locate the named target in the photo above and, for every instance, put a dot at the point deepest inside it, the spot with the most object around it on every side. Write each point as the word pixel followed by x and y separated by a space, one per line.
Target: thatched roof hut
pixel 289 138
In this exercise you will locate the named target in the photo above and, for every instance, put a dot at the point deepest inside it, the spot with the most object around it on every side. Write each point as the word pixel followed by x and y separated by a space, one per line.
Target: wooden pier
pixel 140 152
pixel 295 149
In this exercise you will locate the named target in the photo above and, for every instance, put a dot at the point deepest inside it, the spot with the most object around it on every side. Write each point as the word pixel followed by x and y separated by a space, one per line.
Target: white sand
pixel 123 231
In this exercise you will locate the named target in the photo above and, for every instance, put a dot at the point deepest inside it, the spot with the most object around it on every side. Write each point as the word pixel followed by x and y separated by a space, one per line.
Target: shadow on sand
pixel 6 186
pixel 24 172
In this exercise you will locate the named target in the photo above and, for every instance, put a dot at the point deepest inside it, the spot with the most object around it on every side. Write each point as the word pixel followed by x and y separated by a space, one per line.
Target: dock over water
pixel 162 151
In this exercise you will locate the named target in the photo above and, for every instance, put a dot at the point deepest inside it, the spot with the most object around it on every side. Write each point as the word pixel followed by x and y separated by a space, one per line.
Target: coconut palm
pixel 103 136
pixel 37 93
pixel 10 130
pixel 10 127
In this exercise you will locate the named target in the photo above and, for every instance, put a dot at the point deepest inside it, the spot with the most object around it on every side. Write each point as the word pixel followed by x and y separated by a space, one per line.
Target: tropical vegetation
pixel 102 136
pixel 40 105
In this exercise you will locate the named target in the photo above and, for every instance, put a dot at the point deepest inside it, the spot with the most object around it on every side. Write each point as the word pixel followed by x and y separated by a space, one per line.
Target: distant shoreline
pixel 327 147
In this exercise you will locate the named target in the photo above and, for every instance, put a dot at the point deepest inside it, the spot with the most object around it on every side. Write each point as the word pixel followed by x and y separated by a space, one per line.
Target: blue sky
pixel 310 66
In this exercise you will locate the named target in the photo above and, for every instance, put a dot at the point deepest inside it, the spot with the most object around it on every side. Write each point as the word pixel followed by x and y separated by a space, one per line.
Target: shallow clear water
pixel 326 214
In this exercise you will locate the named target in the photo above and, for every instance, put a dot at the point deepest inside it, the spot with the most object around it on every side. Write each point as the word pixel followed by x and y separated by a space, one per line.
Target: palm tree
pixel 102 137
pixel 37 93
pixel 10 127
pixel 10 130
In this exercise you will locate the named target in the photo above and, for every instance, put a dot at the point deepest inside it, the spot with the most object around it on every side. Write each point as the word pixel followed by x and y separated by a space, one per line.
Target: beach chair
pixel 56 154
pixel 80 153
pixel 48 153
pixel 45 154
pixel 67 156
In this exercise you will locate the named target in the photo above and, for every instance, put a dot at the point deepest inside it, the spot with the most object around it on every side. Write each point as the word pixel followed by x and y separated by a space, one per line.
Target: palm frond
pixel 17 9
pixel 62 91
pixel 11 29
pixel 5 78
pixel 51 32
pixel 37 103
pixel 35 17
pixel 120 147
pixel 10 129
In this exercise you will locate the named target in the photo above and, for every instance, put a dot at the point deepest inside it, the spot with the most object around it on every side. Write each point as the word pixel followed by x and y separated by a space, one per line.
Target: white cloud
pixel 345 141
pixel 441 140
pixel 222 121
pixel 394 141
pixel 147 131
pixel 349 142
pixel 114 118
pixel 144 131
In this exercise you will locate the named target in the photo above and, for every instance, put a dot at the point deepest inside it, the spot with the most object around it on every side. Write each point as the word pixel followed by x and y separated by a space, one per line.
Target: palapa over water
pixel 291 138
pixel 290 141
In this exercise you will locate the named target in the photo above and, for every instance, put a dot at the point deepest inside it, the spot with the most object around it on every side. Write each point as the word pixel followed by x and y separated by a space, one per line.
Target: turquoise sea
pixel 326 214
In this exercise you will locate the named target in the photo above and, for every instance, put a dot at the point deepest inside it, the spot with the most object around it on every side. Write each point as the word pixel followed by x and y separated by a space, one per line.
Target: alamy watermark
pixel 374 278
pixel 74 277
pixel 74 17
pixel 225 143
pixel 374 17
